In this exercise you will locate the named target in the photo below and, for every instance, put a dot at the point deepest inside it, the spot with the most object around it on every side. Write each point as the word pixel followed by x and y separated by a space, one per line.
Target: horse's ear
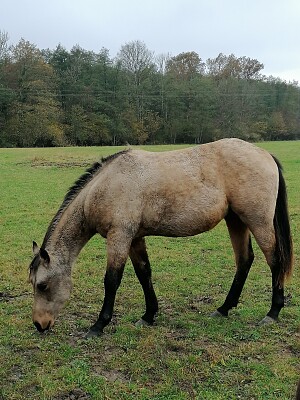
pixel 35 248
pixel 44 255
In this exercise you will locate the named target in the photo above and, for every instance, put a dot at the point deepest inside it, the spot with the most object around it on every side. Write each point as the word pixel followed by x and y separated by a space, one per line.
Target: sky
pixel 266 30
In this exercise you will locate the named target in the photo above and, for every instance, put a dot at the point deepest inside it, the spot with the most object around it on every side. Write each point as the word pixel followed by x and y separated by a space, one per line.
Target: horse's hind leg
pixel 140 261
pixel 265 236
pixel 241 243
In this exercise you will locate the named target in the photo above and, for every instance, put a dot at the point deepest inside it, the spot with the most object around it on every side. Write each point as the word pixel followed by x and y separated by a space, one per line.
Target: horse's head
pixel 52 287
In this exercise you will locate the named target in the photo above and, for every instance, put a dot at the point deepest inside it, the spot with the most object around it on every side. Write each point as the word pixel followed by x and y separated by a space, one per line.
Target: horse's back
pixel 171 193
pixel 179 193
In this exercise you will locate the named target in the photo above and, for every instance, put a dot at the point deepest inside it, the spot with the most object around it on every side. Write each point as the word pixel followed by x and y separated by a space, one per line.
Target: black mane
pixel 35 263
pixel 79 184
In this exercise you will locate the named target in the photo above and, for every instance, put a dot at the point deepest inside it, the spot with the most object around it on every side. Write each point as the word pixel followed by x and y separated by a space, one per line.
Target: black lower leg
pixel 112 281
pixel 234 292
pixel 140 261
pixel 243 268
pixel 277 299
pixel 143 273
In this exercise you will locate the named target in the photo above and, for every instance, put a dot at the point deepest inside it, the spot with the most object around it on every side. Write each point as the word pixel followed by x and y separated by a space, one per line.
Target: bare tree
pixel 4 48
pixel 136 59
pixel 161 62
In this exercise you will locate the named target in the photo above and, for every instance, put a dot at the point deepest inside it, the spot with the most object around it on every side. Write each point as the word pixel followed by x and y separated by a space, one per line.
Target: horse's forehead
pixel 37 269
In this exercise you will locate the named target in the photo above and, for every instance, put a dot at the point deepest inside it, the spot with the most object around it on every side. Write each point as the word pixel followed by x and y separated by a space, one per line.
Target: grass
pixel 187 355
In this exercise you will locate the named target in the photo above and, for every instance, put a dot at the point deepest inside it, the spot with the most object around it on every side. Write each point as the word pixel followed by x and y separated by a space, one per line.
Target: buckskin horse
pixel 136 193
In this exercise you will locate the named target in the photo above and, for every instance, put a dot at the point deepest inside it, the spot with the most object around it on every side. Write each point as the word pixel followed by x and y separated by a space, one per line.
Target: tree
pixel 137 60
pixel 185 65
pixel 249 68
pixel 277 127
pixel 34 116
pixel 187 96
pixel 4 48
pixel 223 67
pixel 6 94
pixel 56 97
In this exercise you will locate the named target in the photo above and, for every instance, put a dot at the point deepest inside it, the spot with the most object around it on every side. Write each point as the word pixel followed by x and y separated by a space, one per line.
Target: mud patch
pixel 110 375
pixel 175 346
pixel 195 303
pixel 176 341
pixel 75 394
pixel 59 164
pixel 40 162
pixel 9 297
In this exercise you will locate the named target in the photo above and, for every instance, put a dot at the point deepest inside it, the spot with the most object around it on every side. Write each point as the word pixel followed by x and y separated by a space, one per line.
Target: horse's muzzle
pixel 40 328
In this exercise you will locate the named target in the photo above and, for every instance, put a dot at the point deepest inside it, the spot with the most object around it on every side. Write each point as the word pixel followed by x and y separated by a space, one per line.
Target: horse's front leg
pixel 117 254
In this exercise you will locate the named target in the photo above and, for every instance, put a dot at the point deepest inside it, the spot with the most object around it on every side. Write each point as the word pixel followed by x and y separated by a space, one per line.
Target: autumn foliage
pixel 79 97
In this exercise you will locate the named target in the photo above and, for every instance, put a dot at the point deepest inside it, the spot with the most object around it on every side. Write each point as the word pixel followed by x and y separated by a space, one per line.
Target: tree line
pixel 79 97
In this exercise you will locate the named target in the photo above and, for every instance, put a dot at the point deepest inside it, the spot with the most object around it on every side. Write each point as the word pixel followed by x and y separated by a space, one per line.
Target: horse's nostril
pixel 38 326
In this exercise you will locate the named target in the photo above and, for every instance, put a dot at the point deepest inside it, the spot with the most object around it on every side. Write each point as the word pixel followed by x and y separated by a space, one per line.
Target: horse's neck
pixel 70 234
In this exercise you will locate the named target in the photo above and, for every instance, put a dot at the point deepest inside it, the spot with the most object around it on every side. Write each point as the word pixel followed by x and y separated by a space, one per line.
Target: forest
pixel 83 98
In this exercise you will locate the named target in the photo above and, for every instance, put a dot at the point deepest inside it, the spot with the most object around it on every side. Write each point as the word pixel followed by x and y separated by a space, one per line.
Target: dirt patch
pixel 195 303
pixel 60 164
pixel 15 374
pixel 175 346
pixel 110 375
pixel 75 394
pixel 9 297
pixel 5 296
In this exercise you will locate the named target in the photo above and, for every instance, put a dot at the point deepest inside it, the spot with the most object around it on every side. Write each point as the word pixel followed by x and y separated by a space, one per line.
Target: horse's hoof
pixel 217 314
pixel 267 321
pixel 141 323
pixel 92 334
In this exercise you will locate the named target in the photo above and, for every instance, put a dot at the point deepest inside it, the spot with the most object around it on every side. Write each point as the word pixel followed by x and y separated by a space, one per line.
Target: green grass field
pixel 187 354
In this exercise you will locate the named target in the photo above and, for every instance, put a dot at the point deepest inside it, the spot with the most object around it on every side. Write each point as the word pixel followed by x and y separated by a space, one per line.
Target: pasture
pixel 187 354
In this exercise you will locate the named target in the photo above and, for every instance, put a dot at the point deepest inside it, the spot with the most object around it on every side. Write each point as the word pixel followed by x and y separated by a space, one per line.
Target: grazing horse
pixel 135 193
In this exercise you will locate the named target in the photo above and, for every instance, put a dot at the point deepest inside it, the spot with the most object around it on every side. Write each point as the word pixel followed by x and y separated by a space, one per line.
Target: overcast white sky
pixel 268 30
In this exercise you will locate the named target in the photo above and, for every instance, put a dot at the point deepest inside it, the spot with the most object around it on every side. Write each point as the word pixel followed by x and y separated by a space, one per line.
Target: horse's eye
pixel 42 287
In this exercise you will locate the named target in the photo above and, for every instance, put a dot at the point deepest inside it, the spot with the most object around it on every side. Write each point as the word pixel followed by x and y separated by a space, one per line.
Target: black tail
pixel 284 244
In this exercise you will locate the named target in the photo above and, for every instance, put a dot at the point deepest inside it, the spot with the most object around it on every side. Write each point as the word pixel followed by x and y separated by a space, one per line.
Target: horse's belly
pixel 185 227
pixel 188 219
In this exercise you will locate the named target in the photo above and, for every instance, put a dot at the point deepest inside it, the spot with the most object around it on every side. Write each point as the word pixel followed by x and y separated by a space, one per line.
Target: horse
pixel 135 193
